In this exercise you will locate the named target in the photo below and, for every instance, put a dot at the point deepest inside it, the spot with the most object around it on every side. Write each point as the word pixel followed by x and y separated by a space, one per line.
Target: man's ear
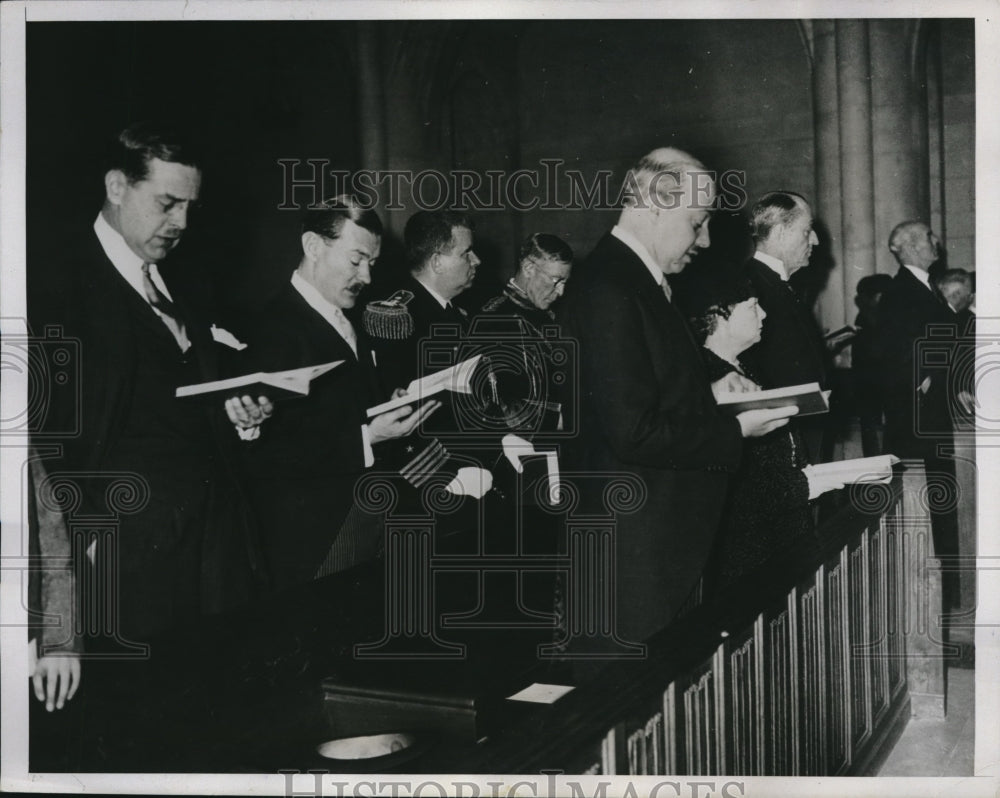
pixel 115 184
pixel 311 242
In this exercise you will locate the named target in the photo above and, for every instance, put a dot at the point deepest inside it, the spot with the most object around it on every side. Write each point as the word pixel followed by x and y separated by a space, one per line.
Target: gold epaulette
pixel 389 319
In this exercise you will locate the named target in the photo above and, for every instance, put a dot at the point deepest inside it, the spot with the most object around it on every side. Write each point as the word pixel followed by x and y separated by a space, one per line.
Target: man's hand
pixel 245 413
pixel 56 678
pixel 756 423
pixel 967 401
pixel 733 383
pixel 400 422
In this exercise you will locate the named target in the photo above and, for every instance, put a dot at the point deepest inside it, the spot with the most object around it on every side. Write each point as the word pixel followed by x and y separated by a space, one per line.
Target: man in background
pixel 916 389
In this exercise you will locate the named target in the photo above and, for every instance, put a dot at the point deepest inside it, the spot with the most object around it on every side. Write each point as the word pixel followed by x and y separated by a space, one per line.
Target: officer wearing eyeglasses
pixel 544 265
pixel 522 321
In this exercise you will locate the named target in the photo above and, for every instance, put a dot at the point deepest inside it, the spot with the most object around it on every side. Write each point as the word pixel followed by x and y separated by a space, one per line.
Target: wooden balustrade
pixel 804 667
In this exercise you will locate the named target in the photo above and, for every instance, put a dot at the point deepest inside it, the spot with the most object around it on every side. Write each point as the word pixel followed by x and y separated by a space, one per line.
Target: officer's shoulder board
pixel 390 319
pixel 494 303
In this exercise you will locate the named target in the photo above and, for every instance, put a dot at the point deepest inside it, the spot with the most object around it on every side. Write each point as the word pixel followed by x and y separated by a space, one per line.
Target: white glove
pixel 471 481
pixel 820 483
pixel 514 448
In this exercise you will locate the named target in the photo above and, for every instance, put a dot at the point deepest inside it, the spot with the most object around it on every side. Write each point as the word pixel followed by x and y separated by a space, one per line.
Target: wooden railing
pixel 799 669
pixel 805 667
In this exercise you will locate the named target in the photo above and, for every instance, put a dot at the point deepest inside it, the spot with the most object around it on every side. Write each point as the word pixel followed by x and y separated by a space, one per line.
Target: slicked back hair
pixel 542 247
pixel 329 217
pixel 773 209
pixel 141 142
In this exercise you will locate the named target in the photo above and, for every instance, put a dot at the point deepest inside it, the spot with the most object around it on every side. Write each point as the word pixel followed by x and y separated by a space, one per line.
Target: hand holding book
pixel 832 476
pixel 400 421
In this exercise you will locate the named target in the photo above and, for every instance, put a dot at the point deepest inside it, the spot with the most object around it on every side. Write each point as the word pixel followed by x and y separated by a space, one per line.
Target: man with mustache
pixel 304 466
pixel 646 404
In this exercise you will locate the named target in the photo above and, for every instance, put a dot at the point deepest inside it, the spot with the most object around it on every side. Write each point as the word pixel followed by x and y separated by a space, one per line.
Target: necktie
pixel 167 312
pixel 455 315
pixel 666 289
pixel 346 329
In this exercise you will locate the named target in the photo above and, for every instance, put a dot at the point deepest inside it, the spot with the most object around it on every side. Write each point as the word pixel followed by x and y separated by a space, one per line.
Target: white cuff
pixel 366 442
pixel 250 434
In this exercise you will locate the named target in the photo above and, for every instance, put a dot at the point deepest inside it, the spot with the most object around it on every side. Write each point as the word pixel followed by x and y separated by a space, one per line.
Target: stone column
pixel 826 119
pixel 871 147
pixel 857 198
pixel 899 131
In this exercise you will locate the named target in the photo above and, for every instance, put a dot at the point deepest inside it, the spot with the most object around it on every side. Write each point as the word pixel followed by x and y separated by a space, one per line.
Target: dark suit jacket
pixel 196 523
pixel 909 313
pixel 647 409
pixel 310 453
pixel 791 349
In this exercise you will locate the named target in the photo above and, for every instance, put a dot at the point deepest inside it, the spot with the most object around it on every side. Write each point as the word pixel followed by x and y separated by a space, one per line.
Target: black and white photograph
pixel 446 398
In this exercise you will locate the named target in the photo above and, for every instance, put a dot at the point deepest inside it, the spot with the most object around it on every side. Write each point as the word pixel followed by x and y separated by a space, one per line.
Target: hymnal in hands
pixel 808 398
pixel 274 385
pixel 457 378
pixel 841 336
pixel 830 476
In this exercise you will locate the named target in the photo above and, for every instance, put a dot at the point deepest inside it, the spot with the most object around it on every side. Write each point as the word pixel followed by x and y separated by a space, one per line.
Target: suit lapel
pixel 666 313
pixel 323 339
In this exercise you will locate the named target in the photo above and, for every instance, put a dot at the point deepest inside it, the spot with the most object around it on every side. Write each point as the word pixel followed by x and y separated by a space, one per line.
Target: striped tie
pixel 165 308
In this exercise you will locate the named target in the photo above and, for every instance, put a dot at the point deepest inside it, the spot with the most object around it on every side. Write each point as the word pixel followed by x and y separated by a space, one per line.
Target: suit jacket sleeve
pixel 645 422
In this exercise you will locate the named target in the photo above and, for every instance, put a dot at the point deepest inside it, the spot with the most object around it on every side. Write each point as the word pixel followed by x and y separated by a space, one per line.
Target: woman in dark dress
pixel 768 504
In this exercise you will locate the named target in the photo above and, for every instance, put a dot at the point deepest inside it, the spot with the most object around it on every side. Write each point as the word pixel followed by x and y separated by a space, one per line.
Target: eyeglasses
pixel 556 281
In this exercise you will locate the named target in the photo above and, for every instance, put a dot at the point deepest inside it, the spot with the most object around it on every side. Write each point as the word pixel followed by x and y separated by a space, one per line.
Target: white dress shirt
pixel 639 249
pixel 921 275
pixel 129 265
pixel 776 265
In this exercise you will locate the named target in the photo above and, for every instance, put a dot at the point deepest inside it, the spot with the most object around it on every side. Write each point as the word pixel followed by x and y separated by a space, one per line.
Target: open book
pixel 457 378
pixel 841 336
pixel 809 399
pixel 829 476
pixel 274 384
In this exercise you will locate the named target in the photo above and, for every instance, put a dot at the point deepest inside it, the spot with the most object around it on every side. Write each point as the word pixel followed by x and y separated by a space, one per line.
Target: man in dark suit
pixel 791 350
pixel 647 407
pixel 916 388
pixel 182 543
pixel 304 466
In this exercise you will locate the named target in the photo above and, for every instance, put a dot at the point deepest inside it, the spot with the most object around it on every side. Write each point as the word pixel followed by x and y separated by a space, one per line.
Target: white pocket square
pixel 222 336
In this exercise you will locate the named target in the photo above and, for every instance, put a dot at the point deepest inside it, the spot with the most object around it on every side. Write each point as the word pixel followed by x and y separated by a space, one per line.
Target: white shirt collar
pixel 921 275
pixel 440 299
pixel 333 315
pixel 125 261
pixel 776 265
pixel 639 249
